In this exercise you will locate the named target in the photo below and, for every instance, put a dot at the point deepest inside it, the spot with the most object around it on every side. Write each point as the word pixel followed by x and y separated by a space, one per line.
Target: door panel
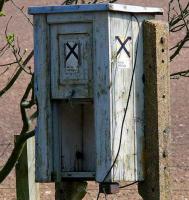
pixel 71 60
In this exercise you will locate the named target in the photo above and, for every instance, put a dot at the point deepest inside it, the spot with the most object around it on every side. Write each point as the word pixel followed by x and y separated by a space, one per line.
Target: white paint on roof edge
pixel 94 7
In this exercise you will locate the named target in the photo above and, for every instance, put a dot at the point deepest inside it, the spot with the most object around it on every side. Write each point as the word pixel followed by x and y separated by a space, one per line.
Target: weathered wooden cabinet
pixel 86 57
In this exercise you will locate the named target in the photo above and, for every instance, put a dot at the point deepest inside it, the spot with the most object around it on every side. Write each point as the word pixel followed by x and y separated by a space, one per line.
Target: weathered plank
pixel 138 100
pixel 157 112
pixel 121 73
pixel 101 85
pixel 94 7
pixel 26 188
pixel 77 17
pixel 42 92
pixel 65 78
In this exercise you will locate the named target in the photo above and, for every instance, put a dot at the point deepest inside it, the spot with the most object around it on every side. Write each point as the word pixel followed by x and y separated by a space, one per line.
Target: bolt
pixel 164 154
pixel 166 130
pixel 162 40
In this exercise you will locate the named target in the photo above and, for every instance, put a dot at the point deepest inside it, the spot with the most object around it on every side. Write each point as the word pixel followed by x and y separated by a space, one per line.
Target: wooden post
pixel 70 190
pixel 156 185
pixel 26 188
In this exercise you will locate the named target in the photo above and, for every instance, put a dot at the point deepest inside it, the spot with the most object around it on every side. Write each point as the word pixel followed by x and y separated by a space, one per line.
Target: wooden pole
pixel 70 190
pixel 26 188
pixel 156 185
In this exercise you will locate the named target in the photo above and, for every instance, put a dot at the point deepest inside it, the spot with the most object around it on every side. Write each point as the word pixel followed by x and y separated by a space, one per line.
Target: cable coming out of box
pixel 125 112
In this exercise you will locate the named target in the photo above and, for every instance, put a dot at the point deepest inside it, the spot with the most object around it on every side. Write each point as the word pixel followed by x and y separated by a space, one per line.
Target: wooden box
pixel 89 88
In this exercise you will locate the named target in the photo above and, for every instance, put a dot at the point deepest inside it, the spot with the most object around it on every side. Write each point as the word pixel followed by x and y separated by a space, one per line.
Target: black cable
pixel 127 185
pixel 126 108
pixel 124 186
pixel 125 112
pixel 98 195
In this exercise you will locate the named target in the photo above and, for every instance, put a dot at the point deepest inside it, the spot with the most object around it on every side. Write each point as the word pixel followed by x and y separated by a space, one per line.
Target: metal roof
pixel 93 8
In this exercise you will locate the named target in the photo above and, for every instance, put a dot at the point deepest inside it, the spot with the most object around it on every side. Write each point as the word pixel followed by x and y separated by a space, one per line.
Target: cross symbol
pixel 72 51
pixel 123 46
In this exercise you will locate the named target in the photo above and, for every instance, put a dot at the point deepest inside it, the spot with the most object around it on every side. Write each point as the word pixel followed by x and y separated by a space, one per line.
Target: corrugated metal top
pixel 94 7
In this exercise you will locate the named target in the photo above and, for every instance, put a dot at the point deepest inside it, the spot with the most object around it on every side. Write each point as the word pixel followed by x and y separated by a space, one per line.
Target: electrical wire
pixel 126 108
pixel 125 112
pixel 124 186
pixel 98 195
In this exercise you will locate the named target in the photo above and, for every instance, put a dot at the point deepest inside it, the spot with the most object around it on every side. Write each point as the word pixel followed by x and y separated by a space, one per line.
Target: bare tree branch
pixel 19 71
pixel 2 73
pixel 8 64
pixel 182 15
pixel 178 22
pixel 175 20
pixel 179 47
pixel 24 135
pixel 179 74
pixel 4 172
pixel 21 10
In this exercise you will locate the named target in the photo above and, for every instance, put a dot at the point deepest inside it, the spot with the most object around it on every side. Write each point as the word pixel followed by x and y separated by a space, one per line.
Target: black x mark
pixel 123 46
pixel 71 51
